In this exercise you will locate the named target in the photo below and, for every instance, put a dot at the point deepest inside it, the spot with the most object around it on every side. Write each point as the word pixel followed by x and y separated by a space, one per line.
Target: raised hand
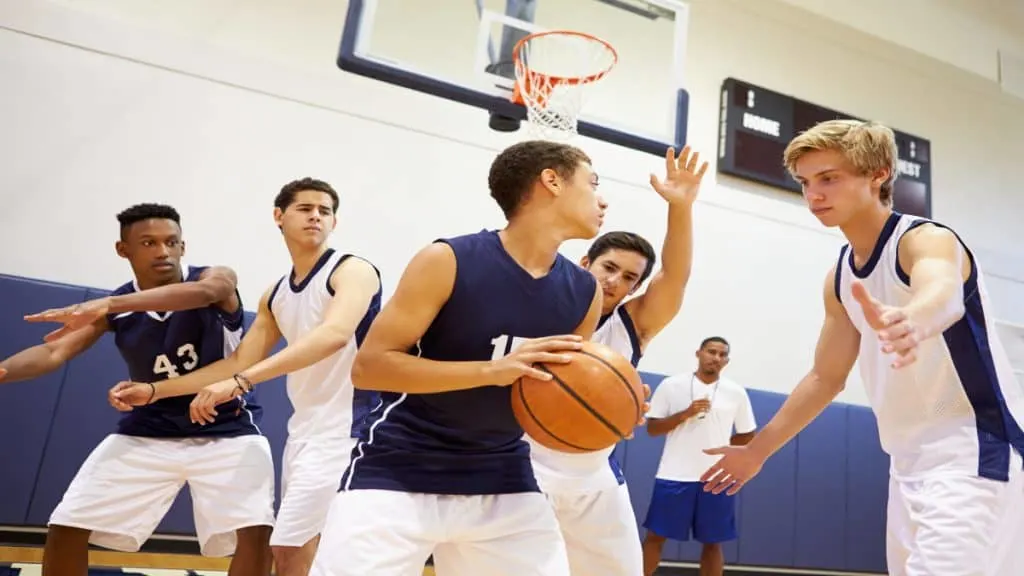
pixel 682 176
pixel 733 470
pixel 897 331
pixel 72 317
pixel 549 350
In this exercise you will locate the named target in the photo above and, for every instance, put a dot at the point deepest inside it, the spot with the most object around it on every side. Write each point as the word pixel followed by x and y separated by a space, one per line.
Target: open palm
pixel 682 176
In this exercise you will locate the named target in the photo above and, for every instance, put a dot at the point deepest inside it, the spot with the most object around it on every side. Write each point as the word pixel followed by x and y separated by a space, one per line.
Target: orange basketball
pixel 590 403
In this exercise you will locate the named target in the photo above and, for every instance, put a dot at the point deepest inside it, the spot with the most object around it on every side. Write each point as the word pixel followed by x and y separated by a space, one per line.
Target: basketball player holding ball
pixel 588 490
pixel 444 469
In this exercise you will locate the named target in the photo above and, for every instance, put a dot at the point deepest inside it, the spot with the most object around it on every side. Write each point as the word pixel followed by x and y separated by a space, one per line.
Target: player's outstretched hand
pixel 897 332
pixel 203 409
pixel 682 176
pixel 735 468
pixel 549 350
pixel 72 317
pixel 126 395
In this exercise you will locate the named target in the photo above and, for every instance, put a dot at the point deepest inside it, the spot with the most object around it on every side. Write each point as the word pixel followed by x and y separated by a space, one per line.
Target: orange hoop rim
pixel 517 96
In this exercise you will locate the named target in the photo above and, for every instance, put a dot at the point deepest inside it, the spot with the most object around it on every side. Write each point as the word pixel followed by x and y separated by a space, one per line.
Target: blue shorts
pixel 677 508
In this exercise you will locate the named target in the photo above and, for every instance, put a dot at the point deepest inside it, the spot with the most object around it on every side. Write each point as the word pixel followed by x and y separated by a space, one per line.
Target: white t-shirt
pixel 683 459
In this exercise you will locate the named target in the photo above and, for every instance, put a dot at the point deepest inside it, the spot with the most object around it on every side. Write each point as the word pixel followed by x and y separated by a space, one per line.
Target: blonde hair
pixel 869 146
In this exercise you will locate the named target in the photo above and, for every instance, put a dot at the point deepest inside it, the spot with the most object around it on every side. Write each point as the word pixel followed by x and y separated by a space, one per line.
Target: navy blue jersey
pixel 161 345
pixel 468 441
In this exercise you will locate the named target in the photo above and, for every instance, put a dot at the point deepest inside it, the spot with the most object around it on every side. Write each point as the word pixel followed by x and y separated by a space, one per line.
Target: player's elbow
pixel 215 290
pixel 335 338
pixel 363 368
pixel 830 382
pixel 656 427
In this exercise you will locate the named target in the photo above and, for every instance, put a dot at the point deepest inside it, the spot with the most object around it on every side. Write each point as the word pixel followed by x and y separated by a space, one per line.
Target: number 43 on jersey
pixel 187 360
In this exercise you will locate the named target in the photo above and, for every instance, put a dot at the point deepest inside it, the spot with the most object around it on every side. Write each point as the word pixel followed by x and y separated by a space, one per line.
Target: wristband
pixel 243 382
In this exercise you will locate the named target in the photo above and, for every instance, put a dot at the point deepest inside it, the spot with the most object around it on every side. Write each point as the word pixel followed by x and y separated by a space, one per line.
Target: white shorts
pixel 387 533
pixel 127 484
pixel 600 532
pixel 310 477
pixel 956 526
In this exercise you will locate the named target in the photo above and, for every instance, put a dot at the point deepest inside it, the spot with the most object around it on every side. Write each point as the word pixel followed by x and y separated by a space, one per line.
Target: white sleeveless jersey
pixel 324 400
pixel 955 410
pixel 559 472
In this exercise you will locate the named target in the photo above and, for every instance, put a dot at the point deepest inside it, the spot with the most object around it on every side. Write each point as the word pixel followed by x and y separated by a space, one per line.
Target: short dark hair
pixel 514 171
pixel 627 241
pixel 713 339
pixel 146 211
pixel 286 196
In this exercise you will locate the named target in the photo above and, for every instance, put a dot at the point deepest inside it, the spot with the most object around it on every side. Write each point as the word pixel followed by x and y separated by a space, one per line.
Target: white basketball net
pixel 553 71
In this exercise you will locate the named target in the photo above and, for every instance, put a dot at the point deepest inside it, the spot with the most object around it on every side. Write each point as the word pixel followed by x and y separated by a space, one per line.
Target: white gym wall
pixel 211 105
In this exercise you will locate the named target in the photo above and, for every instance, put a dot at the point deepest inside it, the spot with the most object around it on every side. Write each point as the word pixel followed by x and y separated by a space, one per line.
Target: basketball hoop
pixel 553 70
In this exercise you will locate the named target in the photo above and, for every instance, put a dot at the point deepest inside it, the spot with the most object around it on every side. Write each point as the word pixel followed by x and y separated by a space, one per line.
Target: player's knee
pixel 253 537
pixel 67 534
pixel 292 560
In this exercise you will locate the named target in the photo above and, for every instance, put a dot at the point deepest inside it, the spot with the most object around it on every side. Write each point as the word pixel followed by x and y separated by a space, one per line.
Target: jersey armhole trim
pixel 344 257
pixel 634 338
pixel 837 281
pixel 970 285
pixel 273 293
pixel 232 320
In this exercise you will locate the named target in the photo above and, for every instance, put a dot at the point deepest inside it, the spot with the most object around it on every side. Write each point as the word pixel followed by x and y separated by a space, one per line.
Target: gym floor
pixel 25 561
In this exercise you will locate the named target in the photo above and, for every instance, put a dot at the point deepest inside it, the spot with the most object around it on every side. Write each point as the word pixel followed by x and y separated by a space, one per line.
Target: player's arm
pixel 588 326
pixel 655 308
pixel 257 343
pixel 938 267
pixel 216 285
pixel 836 352
pixel 47 357
pixel 385 361
pixel 355 283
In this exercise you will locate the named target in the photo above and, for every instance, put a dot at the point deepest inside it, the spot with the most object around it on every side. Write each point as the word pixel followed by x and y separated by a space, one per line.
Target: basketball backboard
pixel 462 50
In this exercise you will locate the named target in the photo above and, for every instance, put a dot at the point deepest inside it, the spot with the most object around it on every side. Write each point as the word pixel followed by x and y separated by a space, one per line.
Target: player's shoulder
pixel 126 288
pixel 196 273
pixel 484 237
pixel 352 260
pixel 352 268
pixel 918 228
pixel 573 270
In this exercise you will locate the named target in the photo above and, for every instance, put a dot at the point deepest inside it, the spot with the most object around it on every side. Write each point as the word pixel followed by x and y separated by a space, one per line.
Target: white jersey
pixel 683 458
pixel 322 395
pixel 956 409
pixel 562 471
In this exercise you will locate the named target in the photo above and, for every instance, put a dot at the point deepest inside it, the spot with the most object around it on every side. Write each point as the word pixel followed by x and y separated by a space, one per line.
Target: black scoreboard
pixel 756 124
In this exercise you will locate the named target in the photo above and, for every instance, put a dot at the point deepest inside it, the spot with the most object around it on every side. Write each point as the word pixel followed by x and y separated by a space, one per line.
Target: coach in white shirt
pixel 696 410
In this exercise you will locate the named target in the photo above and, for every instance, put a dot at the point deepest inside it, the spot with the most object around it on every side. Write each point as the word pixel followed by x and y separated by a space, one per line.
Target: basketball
pixel 591 403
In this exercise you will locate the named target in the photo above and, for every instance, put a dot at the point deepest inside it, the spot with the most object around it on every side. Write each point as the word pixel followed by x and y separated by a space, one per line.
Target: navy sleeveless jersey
pixel 161 345
pixel 468 441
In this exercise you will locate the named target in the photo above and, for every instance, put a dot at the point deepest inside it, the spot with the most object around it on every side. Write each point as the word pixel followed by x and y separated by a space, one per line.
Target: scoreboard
pixel 756 124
